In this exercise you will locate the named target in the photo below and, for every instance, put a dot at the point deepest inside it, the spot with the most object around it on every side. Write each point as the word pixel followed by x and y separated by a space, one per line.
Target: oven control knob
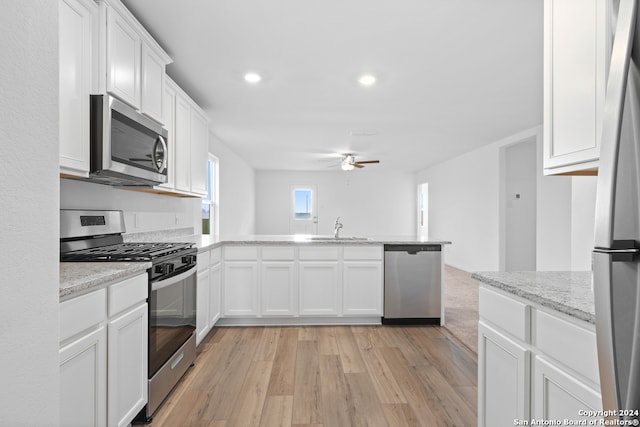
pixel 188 259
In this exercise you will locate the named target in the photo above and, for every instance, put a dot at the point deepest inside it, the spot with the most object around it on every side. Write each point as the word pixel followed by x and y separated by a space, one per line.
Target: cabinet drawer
pixel 215 256
pixel 203 261
pixel 568 343
pixel 127 293
pixel 81 313
pixel 278 253
pixel 240 253
pixel 510 315
pixel 362 252
pixel 318 253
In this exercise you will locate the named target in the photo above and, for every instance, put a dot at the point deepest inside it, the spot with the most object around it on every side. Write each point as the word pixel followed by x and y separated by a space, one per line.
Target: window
pixel 210 203
pixel 302 203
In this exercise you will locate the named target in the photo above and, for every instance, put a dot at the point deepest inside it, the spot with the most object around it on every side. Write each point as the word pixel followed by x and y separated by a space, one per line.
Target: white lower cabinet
pixel 558 395
pixel 503 375
pixel 534 363
pixel 278 288
pixel 202 305
pixel 103 355
pixel 241 288
pixel 261 284
pixel 318 282
pixel 127 362
pixel 362 288
pixel 215 281
pixel 83 380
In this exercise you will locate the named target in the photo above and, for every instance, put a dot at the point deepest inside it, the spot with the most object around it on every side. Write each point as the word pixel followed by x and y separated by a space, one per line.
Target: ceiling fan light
pixel 347 166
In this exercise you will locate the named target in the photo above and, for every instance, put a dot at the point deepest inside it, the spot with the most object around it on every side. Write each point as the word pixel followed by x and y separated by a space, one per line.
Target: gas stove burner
pixel 126 252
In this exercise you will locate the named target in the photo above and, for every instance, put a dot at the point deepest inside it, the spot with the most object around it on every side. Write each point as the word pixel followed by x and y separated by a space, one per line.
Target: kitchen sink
pixel 331 238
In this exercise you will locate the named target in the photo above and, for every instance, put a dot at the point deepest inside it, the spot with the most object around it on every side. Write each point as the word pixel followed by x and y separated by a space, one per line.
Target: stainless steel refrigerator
pixel 616 261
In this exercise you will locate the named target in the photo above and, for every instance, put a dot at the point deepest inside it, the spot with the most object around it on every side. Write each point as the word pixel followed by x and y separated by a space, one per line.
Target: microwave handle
pixel 163 165
pixel 172 280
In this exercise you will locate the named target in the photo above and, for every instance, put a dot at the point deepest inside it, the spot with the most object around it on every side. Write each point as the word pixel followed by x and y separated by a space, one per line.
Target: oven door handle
pixel 172 280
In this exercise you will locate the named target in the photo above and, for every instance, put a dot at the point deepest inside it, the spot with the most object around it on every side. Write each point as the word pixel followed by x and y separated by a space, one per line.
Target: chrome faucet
pixel 336 228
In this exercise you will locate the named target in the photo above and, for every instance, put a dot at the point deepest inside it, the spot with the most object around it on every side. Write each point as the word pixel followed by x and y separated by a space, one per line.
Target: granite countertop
pixel 77 278
pixel 205 242
pixel 568 292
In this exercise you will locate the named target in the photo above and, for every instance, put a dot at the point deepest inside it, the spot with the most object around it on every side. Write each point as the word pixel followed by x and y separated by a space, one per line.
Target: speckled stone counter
pixel 77 278
pixel 568 292
pixel 205 242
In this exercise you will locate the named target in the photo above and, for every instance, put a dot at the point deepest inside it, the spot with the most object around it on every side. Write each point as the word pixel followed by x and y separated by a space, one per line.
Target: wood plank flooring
pixel 328 376
pixel 461 306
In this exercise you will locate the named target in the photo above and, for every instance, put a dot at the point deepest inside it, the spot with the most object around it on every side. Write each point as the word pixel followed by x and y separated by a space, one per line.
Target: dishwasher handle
pixel 413 249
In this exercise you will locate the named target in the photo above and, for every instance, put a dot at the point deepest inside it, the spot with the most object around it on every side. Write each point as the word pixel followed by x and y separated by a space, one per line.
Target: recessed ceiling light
pixel 252 77
pixel 367 79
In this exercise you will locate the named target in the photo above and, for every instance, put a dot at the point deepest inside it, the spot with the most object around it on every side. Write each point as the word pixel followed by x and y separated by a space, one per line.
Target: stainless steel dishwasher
pixel 412 284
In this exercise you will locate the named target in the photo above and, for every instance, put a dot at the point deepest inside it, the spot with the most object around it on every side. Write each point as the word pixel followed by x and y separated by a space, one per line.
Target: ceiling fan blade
pixel 369 161
pixel 357 165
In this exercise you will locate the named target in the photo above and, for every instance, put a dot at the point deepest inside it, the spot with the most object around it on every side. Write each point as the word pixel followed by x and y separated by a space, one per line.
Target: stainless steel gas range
pixel 97 236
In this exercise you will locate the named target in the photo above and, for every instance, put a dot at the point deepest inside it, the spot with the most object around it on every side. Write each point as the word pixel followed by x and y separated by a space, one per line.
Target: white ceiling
pixel 452 75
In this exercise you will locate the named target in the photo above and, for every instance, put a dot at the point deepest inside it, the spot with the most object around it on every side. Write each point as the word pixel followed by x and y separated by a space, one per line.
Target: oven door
pixel 172 316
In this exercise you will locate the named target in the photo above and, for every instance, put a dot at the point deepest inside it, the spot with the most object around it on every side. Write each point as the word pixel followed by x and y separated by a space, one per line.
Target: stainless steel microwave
pixel 127 148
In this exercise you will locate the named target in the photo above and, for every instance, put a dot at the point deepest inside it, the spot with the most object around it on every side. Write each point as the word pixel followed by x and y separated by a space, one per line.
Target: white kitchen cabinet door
pixel 199 152
pixel 153 68
pixel 123 59
pixel 215 280
pixel 278 288
pixel 168 118
pixel 241 288
pixel 504 369
pixel 78 25
pixel 558 395
pixel 362 288
pixel 127 361
pixel 318 287
pixel 576 52
pixel 83 381
pixel 182 132
pixel 202 306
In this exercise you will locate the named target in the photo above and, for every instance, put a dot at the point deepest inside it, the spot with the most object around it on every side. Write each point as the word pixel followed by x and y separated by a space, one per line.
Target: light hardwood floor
pixel 461 306
pixel 327 376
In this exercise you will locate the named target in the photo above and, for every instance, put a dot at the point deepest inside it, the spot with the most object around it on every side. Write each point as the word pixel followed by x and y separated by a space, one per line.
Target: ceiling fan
pixel 349 162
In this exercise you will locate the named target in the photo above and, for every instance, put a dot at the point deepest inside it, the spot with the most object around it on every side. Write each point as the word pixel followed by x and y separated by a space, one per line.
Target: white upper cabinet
pixel 133 62
pixel 576 54
pixel 168 118
pixel 188 152
pixel 152 84
pixel 123 59
pixel 78 46
pixel 199 152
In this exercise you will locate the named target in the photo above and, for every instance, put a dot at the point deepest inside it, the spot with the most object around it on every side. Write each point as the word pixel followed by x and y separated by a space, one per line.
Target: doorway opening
pixel 519 204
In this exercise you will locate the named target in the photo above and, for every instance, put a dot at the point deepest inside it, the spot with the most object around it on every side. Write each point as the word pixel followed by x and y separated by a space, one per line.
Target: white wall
pixel 583 218
pixel 142 211
pixel 29 221
pixel 466 202
pixel 463 208
pixel 237 191
pixel 369 202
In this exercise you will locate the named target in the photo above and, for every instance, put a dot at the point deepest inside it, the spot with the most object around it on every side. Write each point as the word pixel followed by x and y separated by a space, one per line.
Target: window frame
pixel 213 195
